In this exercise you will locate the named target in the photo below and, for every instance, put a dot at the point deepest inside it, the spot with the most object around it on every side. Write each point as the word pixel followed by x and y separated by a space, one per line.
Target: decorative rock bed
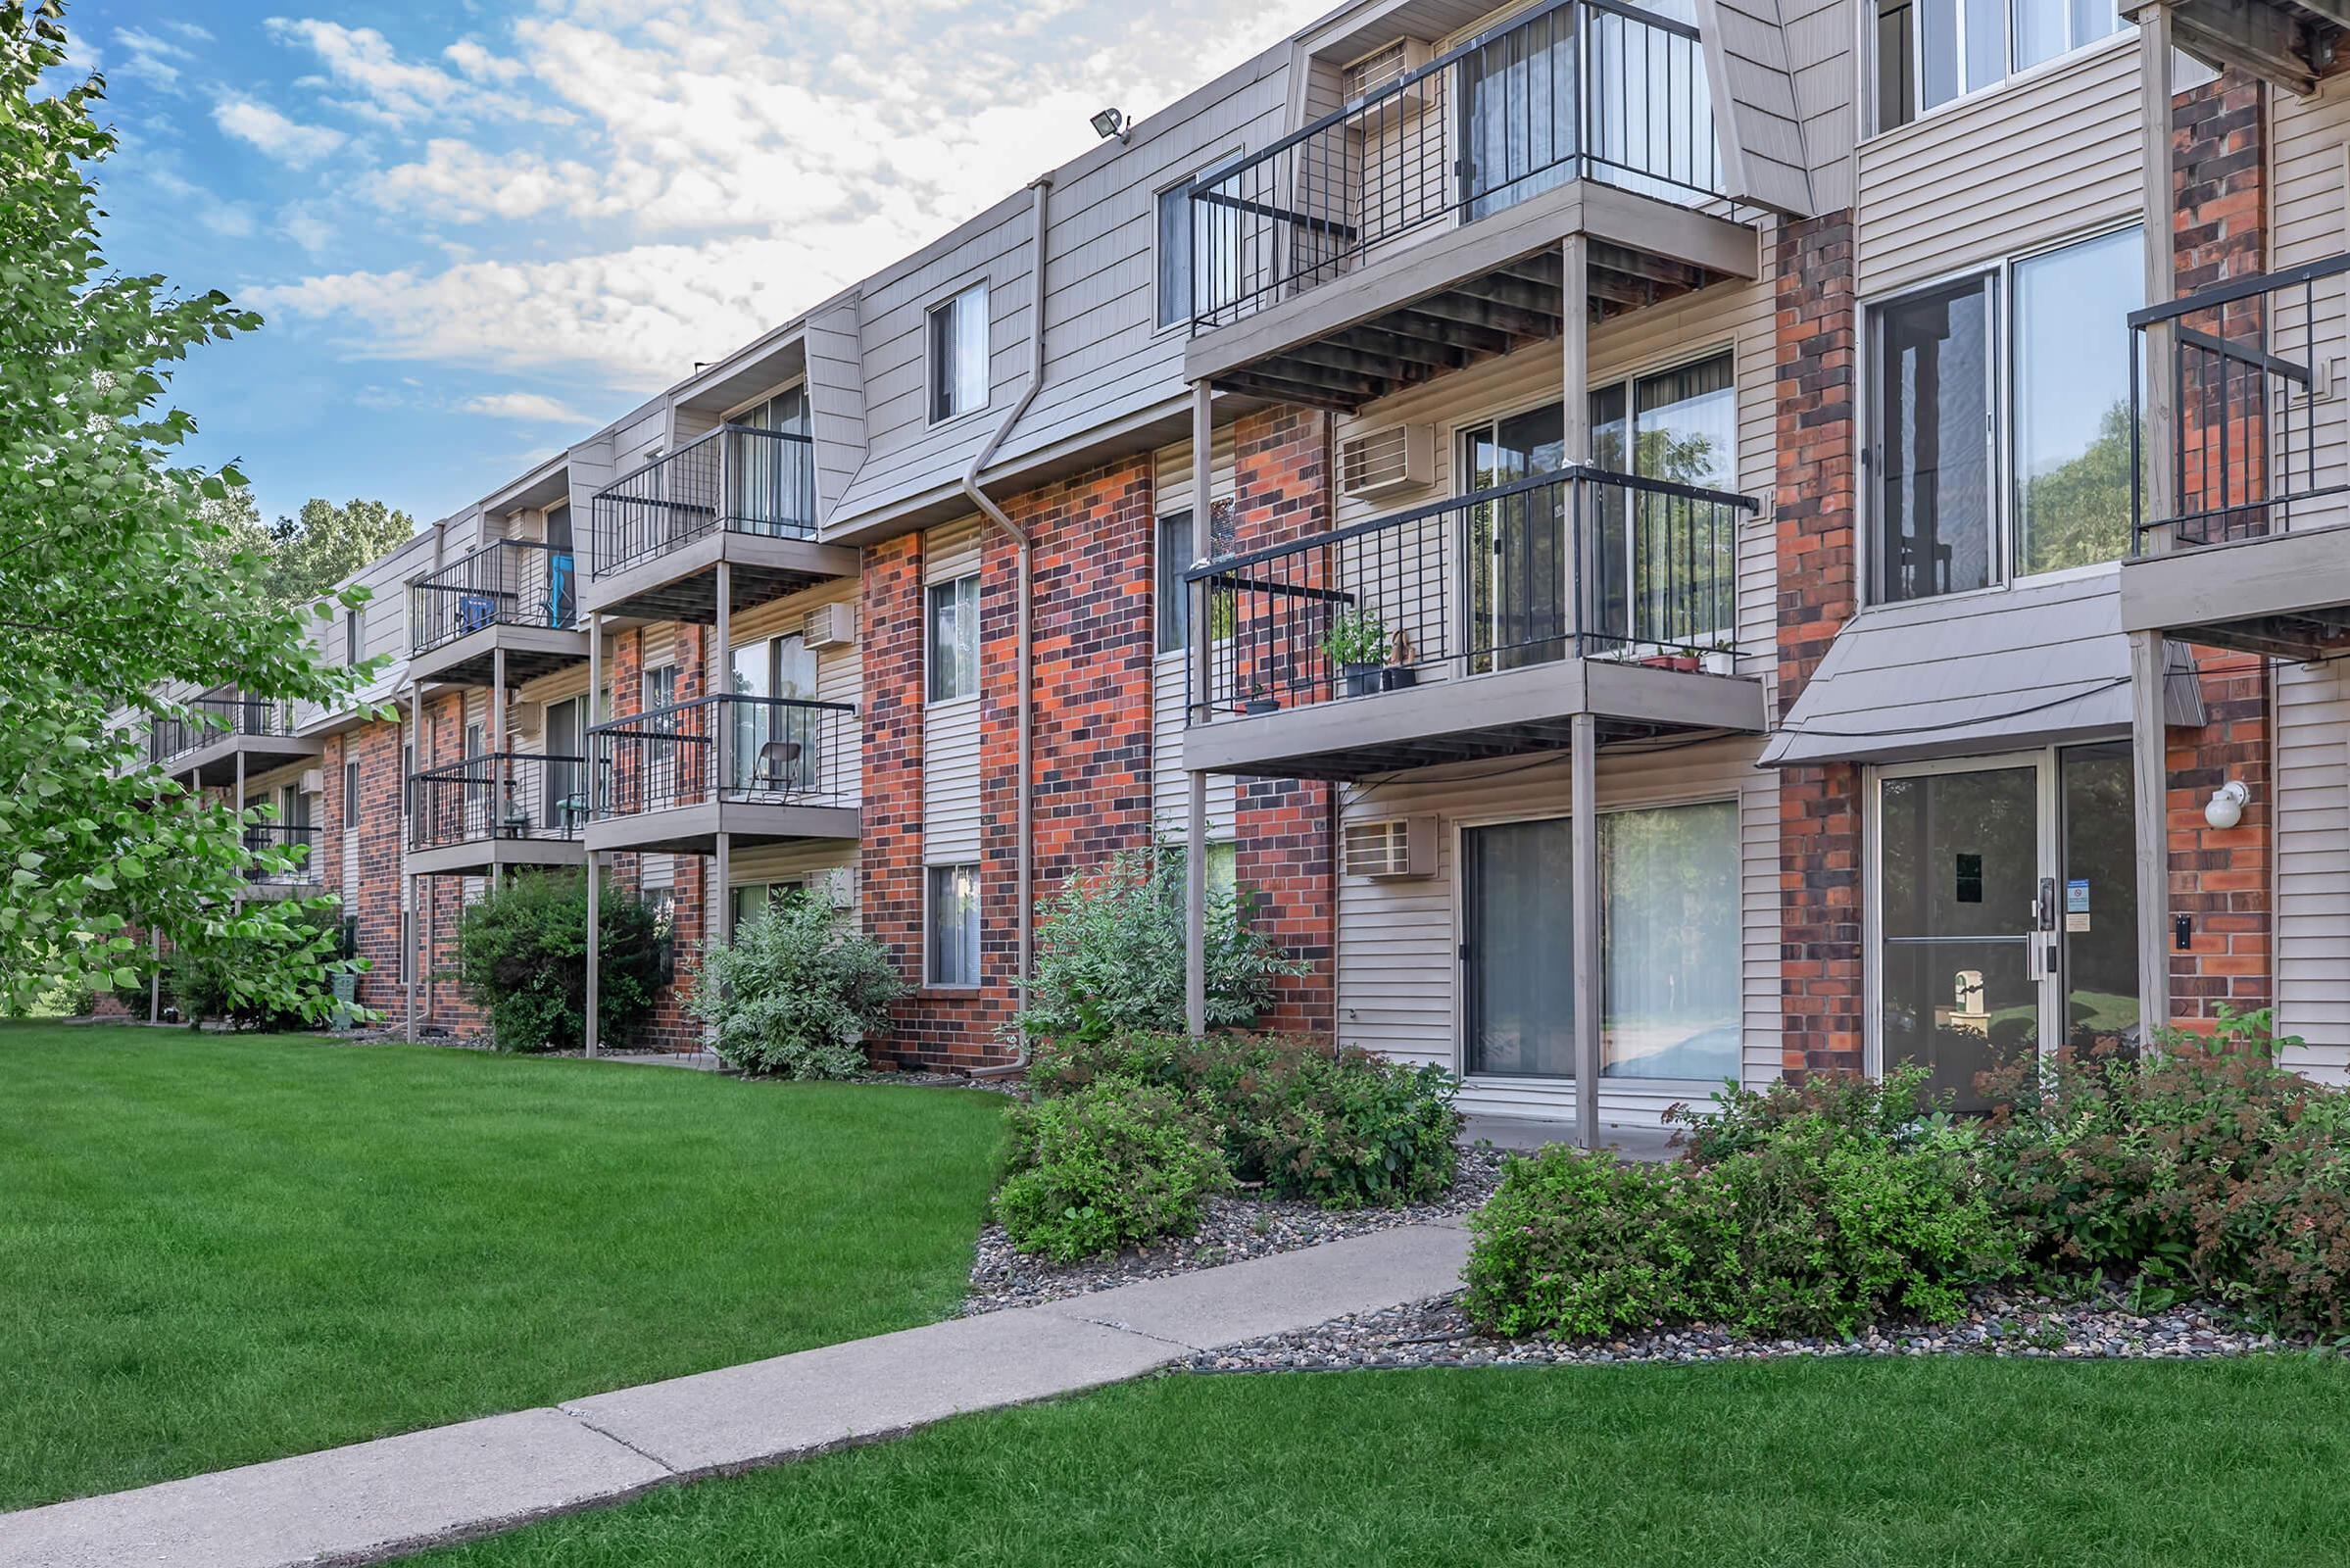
pixel 1230 1229
pixel 2007 1323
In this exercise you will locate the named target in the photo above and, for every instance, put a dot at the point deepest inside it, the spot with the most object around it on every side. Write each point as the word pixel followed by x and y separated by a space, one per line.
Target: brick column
pixel 2219 880
pixel 1820 808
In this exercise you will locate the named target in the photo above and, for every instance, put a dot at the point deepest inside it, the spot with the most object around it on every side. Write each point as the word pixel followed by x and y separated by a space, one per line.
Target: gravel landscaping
pixel 1231 1230
pixel 2002 1323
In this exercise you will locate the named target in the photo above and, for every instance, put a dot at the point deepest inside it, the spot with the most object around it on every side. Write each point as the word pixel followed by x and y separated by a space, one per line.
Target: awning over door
pixel 1975 673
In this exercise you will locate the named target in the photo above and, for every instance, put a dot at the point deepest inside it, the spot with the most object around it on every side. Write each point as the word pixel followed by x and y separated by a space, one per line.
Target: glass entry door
pixel 1518 918
pixel 2006 912
pixel 1518 569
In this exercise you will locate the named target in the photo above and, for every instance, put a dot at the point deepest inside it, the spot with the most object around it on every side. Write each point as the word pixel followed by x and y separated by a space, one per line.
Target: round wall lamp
pixel 2227 805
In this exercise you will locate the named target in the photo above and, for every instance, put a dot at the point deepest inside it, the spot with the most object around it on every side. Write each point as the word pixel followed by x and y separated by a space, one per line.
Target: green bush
pixel 2202 1168
pixel 521 958
pixel 1343 1128
pixel 1816 1211
pixel 1578 1245
pixel 796 991
pixel 1110 1166
pixel 1109 953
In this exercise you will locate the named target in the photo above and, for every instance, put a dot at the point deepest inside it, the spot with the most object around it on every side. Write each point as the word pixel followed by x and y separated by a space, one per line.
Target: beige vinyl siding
pixel 790 862
pixel 2048 156
pixel 1820 39
pixel 2311 783
pixel 1399 969
pixel 836 402
pixel 1170 787
pixel 950 806
pixel 1756 121
pixel 2308 217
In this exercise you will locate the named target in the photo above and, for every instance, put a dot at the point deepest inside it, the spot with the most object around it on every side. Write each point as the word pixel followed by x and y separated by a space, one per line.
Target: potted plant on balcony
pixel 1260 700
pixel 1399 672
pixel 1358 643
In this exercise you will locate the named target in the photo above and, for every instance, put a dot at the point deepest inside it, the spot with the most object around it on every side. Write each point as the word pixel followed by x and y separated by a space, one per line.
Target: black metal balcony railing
pixel 2255 440
pixel 509 582
pixel 500 795
pixel 1577 562
pixel 215 716
pixel 736 478
pixel 1577 89
pixel 765 750
pixel 298 840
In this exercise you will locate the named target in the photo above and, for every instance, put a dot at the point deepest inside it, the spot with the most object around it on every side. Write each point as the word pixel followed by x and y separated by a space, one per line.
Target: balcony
pixel 299 842
pixel 737 499
pixel 1373 649
pixel 513 597
pixel 2241 488
pixel 225 735
pixel 502 809
pixel 1441 202
pixel 759 770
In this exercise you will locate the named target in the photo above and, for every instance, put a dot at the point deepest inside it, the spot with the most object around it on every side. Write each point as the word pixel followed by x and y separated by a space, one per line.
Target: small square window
pixel 955 639
pixel 958 355
pixel 952 938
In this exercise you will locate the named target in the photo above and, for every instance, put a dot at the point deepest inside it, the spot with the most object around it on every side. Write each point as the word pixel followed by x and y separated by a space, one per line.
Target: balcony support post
pixel 408 805
pixel 2161 282
pixel 1574 345
pixel 155 978
pixel 1194 900
pixel 722 918
pixel 497 703
pixel 717 679
pixel 1583 825
pixel 2150 797
pixel 595 947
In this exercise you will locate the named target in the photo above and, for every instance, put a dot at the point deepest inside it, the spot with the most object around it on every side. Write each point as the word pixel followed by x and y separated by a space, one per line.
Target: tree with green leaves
pixel 114 584
pixel 306 554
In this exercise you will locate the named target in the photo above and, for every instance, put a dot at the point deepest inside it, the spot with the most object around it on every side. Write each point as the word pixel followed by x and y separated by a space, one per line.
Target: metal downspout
pixel 1040 188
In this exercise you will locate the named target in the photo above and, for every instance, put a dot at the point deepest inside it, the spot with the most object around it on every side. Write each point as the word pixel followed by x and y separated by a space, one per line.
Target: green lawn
pixel 1885 1464
pixel 215 1251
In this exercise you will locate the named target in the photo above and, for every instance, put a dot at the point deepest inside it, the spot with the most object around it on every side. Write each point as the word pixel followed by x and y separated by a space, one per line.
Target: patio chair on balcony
pixel 474 612
pixel 778 767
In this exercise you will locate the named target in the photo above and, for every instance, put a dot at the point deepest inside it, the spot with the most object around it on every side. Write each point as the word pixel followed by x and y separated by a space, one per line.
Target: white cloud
pixel 149 58
pixel 228 219
pixel 531 407
pixel 726 163
pixel 305 228
pixel 286 140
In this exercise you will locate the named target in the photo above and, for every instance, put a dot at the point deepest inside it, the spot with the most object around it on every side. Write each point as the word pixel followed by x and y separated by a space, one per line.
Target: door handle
pixel 2044 912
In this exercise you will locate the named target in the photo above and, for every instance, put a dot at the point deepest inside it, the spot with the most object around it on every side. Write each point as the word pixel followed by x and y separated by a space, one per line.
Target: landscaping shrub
pixel 796 992
pixel 521 958
pixel 1109 953
pixel 2204 1168
pixel 1343 1128
pixel 1580 1246
pixel 211 983
pixel 1113 1165
pixel 1804 1209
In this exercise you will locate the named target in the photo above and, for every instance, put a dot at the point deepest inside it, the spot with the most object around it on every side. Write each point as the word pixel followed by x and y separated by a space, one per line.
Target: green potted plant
pixel 1358 643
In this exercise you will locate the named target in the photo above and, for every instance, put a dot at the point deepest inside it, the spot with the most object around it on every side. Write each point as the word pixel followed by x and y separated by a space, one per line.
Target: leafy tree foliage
pixel 521 958
pixel 113 583
pixel 304 555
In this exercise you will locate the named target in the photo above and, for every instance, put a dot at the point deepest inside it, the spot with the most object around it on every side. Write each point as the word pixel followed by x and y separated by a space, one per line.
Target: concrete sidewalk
pixel 375 1501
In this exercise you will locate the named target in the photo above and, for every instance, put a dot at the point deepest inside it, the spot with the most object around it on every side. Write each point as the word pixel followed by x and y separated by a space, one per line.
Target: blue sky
pixel 481 229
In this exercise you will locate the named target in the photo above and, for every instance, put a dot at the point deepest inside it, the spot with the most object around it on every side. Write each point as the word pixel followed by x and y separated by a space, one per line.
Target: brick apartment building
pixel 1703 562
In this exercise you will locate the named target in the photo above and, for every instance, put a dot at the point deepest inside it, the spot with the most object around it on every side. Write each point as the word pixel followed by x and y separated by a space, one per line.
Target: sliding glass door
pixel 1518 568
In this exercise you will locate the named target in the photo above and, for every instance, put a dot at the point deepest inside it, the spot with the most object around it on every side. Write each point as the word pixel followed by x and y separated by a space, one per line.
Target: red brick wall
pixel 2220 881
pixel 1819 808
pixel 1281 491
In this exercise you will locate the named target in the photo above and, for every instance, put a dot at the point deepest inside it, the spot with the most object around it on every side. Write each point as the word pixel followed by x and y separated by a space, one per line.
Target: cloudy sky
pixel 481 229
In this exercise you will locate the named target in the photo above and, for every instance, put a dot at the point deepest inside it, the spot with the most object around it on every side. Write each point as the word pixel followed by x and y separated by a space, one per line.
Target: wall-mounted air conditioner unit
pixel 1388 64
pixel 312 782
pixel 830 626
pixel 1395 848
pixel 836 886
pixel 1400 457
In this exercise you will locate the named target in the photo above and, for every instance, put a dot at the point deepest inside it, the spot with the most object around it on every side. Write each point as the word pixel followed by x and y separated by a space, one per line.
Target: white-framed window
pixel 1931 51
pixel 1669 942
pixel 954 639
pixel 351 795
pixel 659 688
pixel 1177 549
pixel 1199 253
pixel 351 637
pixel 1999 440
pixel 951 925
pixel 959 354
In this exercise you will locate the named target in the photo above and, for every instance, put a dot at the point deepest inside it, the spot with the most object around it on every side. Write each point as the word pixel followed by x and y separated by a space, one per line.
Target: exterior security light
pixel 1111 122
pixel 2227 808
